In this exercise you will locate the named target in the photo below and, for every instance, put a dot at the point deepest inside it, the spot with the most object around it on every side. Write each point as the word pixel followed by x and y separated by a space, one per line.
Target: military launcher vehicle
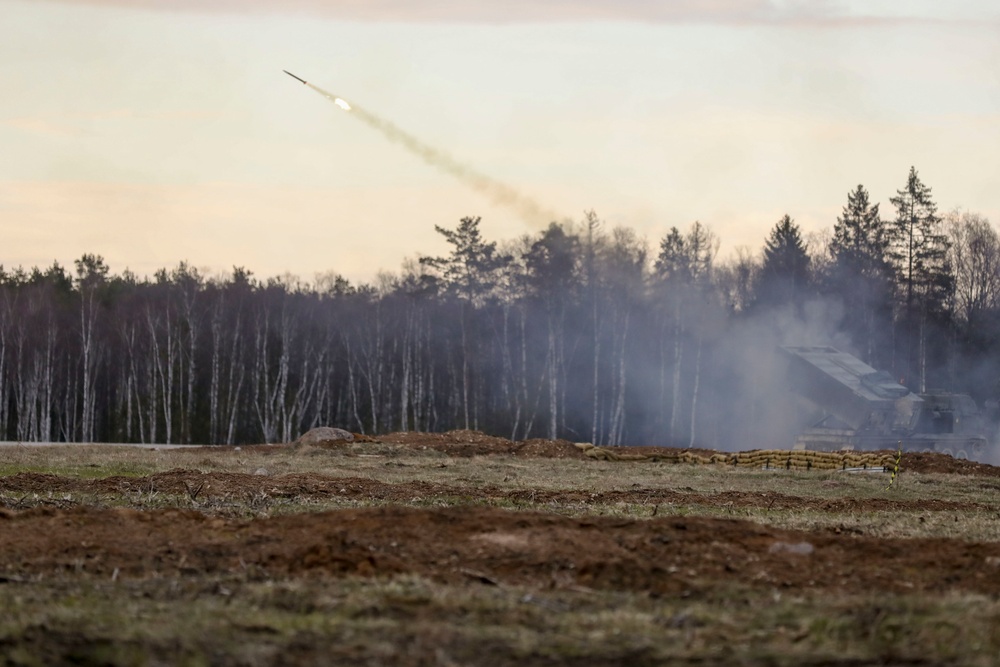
pixel 847 404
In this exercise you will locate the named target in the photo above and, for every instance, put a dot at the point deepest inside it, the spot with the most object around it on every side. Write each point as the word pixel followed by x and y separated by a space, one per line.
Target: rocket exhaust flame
pixel 498 192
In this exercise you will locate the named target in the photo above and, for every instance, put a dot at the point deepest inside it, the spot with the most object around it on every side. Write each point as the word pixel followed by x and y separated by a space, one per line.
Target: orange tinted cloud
pixel 78 124
pixel 270 230
pixel 42 126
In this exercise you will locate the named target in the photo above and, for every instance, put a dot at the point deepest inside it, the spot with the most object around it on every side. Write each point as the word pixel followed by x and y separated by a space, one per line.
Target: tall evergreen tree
pixel 919 252
pixel 671 264
pixel 472 273
pixel 861 271
pixel 552 278
pixel 551 264
pixel 784 276
pixel 860 237
pixel 686 259
pixel 471 269
pixel 919 248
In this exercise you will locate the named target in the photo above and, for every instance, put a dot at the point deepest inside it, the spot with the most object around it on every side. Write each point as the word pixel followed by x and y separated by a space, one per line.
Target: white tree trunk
pixel 694 392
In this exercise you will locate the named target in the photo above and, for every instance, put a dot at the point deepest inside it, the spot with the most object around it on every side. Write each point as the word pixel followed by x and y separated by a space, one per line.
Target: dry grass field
pixel 461 549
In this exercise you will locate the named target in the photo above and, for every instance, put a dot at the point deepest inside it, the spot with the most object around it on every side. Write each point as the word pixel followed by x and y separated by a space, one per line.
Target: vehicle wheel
pixel 962 455
pixel 946 450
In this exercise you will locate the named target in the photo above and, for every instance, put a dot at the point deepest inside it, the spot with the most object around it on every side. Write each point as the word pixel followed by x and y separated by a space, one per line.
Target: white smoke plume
pixel 499 193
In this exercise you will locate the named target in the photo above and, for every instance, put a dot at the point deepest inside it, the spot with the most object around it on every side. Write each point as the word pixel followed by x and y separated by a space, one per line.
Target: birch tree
pixel 551 277
pixel 625 263
pixel 682 280
pixel 974 255
pixel 91 274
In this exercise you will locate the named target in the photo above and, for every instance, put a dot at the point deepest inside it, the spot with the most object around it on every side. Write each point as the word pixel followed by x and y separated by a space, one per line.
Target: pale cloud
pixel 65 122
pixel 271 230
pixel 75 125
pixel 738 174
pixel 43 126
pixel 132 114
pixel 726 12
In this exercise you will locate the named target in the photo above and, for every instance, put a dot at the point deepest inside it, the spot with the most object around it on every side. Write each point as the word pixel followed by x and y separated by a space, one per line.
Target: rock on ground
pixel 324 434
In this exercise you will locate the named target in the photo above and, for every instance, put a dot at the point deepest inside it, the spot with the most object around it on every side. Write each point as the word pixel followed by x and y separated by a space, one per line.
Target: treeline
pixel 579 331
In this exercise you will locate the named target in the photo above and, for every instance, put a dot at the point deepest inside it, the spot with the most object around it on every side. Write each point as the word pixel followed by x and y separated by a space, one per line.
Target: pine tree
pixel 919 249
pixel 551 263
pixel 860 238
pixel 686 259
pixel 861 272
pixel 552 278
pixel 672 263
pixel 919 253
pixel 471 270
pixel 784 277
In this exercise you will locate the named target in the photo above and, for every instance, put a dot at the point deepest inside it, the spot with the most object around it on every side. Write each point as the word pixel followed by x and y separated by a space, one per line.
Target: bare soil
pixel 477 535
pixel 489 545
pixel 659 555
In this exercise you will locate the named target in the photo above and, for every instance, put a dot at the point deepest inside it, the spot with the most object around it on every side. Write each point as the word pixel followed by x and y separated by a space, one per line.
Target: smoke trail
pixel 500 193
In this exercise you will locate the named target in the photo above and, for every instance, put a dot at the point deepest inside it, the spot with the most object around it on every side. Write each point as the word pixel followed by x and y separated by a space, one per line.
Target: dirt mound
pixel 456 443
pixel 550 449
pixel 487 545
pixel 476 443
pixel 928 462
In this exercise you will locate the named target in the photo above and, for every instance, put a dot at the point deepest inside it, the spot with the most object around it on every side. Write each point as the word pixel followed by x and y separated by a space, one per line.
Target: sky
pixel 153 131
